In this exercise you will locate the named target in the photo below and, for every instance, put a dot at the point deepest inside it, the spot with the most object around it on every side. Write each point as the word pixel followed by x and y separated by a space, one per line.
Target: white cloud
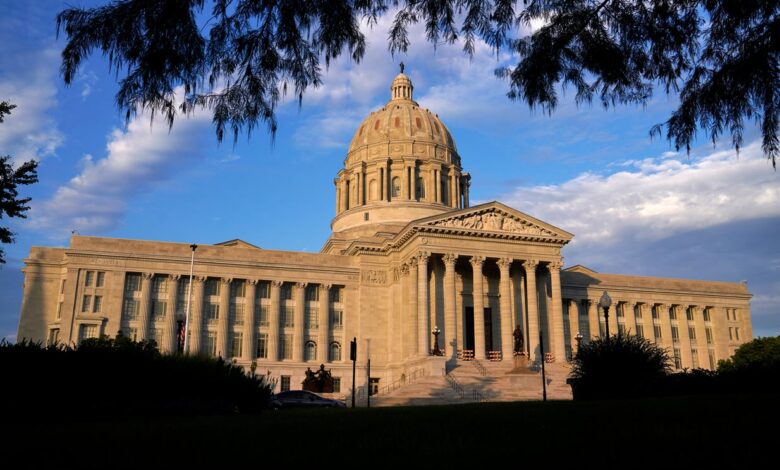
pixel 137 160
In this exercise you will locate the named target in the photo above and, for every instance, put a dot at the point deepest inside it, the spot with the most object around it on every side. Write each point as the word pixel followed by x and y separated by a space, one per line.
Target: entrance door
pixel 488 318
pixel 468 329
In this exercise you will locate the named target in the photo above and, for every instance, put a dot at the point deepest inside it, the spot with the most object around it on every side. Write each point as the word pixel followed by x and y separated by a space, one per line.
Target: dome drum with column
pixel 402 164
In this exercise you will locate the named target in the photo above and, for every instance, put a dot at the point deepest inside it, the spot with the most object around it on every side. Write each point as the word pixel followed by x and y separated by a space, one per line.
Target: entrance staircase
pixel 479 381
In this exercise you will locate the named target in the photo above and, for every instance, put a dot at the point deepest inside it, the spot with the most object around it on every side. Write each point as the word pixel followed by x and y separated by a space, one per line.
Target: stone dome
pixel 402 165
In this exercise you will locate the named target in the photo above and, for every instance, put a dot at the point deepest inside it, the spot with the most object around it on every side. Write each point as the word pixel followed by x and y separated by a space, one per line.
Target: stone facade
pixel 407 254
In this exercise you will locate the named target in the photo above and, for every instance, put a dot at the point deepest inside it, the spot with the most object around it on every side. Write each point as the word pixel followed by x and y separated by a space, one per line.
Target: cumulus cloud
pixel 137 159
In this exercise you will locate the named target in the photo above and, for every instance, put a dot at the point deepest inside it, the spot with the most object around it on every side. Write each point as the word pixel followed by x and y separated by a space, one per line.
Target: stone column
pixel 558 340
pixel 144 310
pixel 299 326
pixel 388 180
pixel 273 322
pixel 594 324
pixel 647 319
pixel 701 336
pixel 505 307
pixel 170 314
pixel 479 307
pixel 574 324
pixel 250 325
pixel 466 193
pixel 685 340
pixel 450 329
pixel 459 312
pixel 412 308
pixel 423 318
pixel 666 326
pixel 533 313
pixel 196 315
pixel 223 331
pixel 338 195
pixel 323 330
pixel 453 191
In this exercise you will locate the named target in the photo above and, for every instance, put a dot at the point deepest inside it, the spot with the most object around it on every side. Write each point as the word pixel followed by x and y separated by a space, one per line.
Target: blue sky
pixel 634 205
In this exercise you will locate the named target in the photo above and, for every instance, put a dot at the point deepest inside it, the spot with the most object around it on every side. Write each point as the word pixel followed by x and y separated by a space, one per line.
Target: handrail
pixel 481 368
pixel 404 380
pixel 457 387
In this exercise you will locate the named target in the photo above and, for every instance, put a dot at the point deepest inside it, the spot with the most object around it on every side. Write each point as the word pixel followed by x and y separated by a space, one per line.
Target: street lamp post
pixel 436 332
pixel 605 302
pixel 193 247
pixel 578 339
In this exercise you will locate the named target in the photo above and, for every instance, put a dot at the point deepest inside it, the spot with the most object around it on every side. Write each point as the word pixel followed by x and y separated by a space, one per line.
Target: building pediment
pixel 494 219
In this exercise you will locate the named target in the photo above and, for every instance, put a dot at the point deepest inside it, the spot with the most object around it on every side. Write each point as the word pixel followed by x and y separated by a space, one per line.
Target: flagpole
pixel 189 302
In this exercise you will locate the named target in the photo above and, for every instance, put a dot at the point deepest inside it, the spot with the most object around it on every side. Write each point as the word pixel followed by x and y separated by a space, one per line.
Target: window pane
pixel 132 282
pixel 85 303
pixel 96 306
pixel 101 279
pixel 262 345
pixel 88 277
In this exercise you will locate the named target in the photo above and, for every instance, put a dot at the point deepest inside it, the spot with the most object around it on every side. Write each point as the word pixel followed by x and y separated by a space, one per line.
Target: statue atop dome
pixel 402 67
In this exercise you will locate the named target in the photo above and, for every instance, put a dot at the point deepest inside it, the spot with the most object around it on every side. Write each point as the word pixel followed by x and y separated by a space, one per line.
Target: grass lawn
pixel 720 431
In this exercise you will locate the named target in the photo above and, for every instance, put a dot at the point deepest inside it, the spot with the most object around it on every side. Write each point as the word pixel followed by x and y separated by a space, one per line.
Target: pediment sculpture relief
pixel 495 222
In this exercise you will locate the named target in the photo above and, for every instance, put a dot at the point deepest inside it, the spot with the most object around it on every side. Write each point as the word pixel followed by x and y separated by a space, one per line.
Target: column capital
pixel 227 280
pixel 450 258
pixel 423 256
pixel 301 285
pixel 662 306
pixel 476 260
pixel 412 262
pixel 404 269
pixel 147 276
pixel 199 278
pixel 530 264
pixel 252 282
pixel 325 287
pixel 555 265
pixel 174 277
pixel 504 263
pixel 276 283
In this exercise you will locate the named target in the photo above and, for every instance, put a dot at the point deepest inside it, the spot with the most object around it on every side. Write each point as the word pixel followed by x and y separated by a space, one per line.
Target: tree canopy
pixel 719 56
pixel 10 179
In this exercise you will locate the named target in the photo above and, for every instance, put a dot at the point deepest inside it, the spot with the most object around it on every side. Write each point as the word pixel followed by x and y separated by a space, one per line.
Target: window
pixel 54 336
pixel 132 282
pixel 335 352
pixel 287 346
pixel 396 187
pixel 694 358
pixel 101 279
pixel 237 313
pixel 159 308
pixel 675 334
pixel 677 360
pixel 335 294
pixel 692 333
pixel 86 302
pixel 210 347
pixel 285 293
pixel 212 312
pixel 310 352
pixel 706 314
pixel 131 333
pixel 420 190
pixel 159 285
pixel 638 312
pixel 312 293
pixel 336 384
pixel 731 333
pixel 284 384
pixel 655 313
pixel 130 309
pixel 156 335
pixel 621 312
pixel 621 328
pixel 708 333
pixel 336 319
pixel 263 315
pixel 657 332
pixel 289 317
pixel 238 289
pixel 235 344
pixel 89 276
pixel 211 287
pixel 640 330
pixel 736 333
pixel 88 331
pixel 264 290
pixel 711 354
pixel 312 317
pixel 262 345
pixel 97 304
pixel 673 313
pixel 182 296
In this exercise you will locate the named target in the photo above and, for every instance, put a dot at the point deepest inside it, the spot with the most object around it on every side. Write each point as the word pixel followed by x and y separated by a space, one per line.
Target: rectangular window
pixel 335 294
pixel 711 354
pixel 237 313
pixel 736 333
pixel 640 330
pixel 289 317
pixel 691 333
pixel 689 314
pixel 336 319
pixel 677 360
pixel 264 290
pixel 708 332
pixel 263 315
pixel 101 279
pixel 638 312
pixel 312 293
pixel 731 333
pixel 657 332
pixel 312 317
pixel 695 358
pixel 673 313
pixel 262 345
pixel 336 384
pixel 131 333
pixel 89 276
pixel 211 343
pixel 159 285
pixel 621 310
pixel 285 292
pixel 211 287
pixel 238 289
pixel 212 312
pixel 235 345
pixel 132 282
pixel 86 303
pixel 675 334
pixel 621 328
pixel 88 331
pixel 54 336
pixel 159 308
pixel 655 313
pixel 287 344
pixel 97 304
pixel 182 296
pixel 284 383
pixel 706 315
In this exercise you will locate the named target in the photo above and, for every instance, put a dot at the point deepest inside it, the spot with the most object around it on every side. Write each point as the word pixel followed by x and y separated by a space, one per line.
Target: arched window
pixel 420 189
pixel 396 187
pixel 311 351
pixel 335 351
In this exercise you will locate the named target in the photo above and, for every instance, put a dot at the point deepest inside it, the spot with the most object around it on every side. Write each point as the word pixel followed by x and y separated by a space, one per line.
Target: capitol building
pixel 408 255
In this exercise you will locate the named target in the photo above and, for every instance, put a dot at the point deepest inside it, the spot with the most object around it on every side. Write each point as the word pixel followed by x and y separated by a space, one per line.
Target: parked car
pixel 303 399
